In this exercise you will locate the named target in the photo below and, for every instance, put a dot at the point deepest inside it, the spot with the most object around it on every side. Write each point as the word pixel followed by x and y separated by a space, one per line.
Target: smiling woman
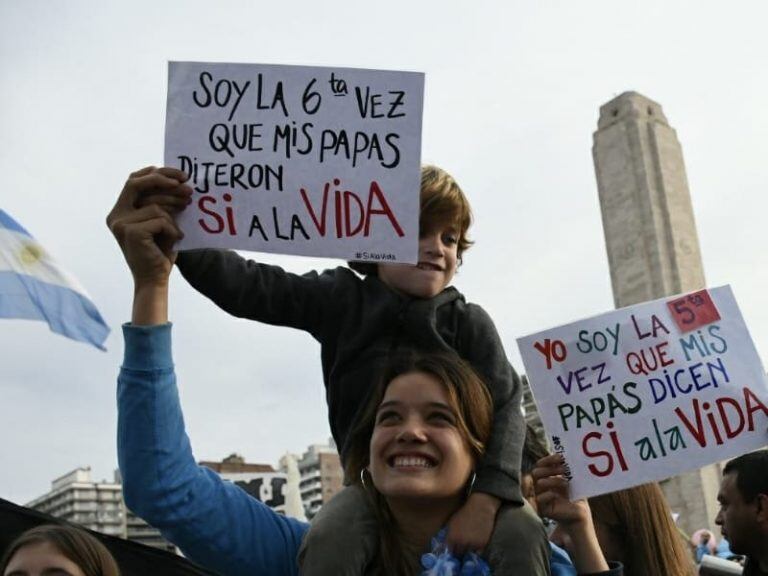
pixel 413 450
pixel 416 450
pixel 414 453
pixel 419 440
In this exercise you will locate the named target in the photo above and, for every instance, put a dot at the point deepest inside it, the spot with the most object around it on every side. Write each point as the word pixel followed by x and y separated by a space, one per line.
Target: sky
pixel 512 95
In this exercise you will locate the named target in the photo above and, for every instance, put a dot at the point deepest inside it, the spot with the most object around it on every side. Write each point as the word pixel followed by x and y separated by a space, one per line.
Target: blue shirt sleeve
pixel 214 523
pixel 561 565
pixel 560 562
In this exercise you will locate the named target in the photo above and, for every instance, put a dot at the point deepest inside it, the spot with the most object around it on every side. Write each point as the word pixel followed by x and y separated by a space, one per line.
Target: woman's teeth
pixel 411 461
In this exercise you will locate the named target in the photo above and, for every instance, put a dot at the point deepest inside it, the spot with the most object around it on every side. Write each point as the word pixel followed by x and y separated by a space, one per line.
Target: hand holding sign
pixel 649 391
pixel 298 160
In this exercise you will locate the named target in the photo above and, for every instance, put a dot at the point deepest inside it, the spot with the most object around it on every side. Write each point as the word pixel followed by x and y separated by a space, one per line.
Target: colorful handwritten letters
pixel 649 391
pixel 298 160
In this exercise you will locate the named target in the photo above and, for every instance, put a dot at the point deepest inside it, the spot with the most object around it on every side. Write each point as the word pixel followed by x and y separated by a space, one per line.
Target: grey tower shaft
pixel 650 233
pixel 653 248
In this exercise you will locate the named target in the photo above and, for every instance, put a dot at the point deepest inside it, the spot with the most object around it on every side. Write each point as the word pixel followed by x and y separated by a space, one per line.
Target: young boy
pixel 359 322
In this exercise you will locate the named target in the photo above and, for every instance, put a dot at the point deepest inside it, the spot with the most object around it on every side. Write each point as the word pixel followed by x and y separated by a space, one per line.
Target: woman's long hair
pixel 471 402
pixel 86 551
pixel 641 520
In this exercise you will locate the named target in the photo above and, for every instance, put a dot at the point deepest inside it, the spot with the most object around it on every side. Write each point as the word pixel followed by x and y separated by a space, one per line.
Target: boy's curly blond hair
pixel 442 203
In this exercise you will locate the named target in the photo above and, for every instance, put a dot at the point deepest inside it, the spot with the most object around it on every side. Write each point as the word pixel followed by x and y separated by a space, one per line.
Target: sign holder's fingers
pixel 136 182
pixel 169 171
pixel 121 223
pixel 166 202
pixel 174 173
pixel 148 180
pixel 548 466
pixel 152 183
pixel 142 172
pixel 158 226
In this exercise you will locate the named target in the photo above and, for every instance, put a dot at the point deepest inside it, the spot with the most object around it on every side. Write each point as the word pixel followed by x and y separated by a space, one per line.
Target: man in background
pixel 743 516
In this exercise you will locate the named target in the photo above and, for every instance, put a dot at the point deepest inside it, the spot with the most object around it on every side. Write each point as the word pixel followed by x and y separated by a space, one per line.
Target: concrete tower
pixel 650 236
pixel 650 233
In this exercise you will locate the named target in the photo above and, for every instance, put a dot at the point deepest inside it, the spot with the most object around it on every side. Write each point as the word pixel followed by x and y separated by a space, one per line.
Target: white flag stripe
pixel 22 254
pixel 33 287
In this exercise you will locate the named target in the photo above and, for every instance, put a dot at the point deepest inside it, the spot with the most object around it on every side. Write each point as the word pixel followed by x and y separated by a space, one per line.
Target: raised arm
pixel 214 522
pixel 573 517
pixel 146 235
pixel 241 287
pixel 256 291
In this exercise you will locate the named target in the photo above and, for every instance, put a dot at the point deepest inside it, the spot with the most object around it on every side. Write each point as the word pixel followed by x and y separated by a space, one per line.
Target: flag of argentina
pixel 33 287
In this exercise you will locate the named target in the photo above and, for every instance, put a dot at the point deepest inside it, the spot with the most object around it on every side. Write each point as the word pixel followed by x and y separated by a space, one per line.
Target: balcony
pixel 310 488
pixel 309 474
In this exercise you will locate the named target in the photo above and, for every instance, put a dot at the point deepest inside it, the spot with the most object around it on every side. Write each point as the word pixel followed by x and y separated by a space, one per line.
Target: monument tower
pixel 650 233
pixel 653 248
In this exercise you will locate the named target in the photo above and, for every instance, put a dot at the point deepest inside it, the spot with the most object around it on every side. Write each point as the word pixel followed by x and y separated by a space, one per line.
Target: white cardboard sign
pixel 648 391
pixel 298 160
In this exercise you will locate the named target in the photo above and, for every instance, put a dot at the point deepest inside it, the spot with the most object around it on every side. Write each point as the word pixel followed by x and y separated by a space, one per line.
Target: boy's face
pixel 438 258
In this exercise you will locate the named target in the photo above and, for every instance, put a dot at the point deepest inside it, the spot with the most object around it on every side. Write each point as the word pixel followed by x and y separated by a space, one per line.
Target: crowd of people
pixel 422 403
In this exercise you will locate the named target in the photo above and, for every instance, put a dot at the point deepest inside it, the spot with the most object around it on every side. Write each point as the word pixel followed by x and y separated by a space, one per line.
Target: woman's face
pixel 41 559
pixel 416 448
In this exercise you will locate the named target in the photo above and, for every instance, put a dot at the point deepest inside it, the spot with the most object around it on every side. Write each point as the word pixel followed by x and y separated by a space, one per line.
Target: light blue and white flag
pixel 33 287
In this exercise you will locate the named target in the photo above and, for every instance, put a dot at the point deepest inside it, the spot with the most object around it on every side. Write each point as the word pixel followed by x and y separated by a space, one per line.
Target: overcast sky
pixel 512 96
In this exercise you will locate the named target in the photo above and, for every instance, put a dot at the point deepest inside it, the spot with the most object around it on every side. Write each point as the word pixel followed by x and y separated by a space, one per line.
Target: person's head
pixel 703 537
pixel 423 429
pixel 444 221
pixel 743 497
pixel 418 440
pixel 635 527
pixel 60 550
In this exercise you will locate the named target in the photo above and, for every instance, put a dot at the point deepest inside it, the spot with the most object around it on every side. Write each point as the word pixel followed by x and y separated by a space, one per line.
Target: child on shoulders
pixel 359 322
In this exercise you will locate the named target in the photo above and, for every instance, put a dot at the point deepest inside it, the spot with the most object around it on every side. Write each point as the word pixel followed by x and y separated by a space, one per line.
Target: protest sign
pixel 649 391
pixel 298 160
